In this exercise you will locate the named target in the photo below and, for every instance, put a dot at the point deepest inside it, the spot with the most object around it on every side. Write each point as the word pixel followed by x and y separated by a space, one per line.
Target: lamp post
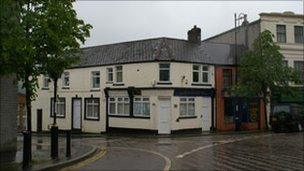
pixel 237 23
pixel 54 128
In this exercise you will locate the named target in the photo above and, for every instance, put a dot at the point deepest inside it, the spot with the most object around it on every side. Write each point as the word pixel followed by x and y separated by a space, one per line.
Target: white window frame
pixel 59 101
pixel 125 100
pixel 92 104
pixel 118 71
pixel 164 69
pixel 93 76
pixel 141 101
pixel 187 101
pixel 46 81
pixel 201 72
pixel 108 74
pixel 66 75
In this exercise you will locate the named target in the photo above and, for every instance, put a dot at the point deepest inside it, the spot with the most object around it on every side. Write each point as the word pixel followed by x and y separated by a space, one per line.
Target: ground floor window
pixel 187 106
pixel 119 106
pixel 141 106
pixel 250 111
pixel 59 108
pixel 229 110
pixel 92 108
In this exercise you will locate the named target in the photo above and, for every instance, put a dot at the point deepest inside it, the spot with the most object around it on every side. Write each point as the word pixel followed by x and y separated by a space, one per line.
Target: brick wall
pixel 8 118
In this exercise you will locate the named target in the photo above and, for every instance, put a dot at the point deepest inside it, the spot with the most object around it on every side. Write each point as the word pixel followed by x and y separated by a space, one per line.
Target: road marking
pixel 217 144
pixel 88 161
pixel 167 160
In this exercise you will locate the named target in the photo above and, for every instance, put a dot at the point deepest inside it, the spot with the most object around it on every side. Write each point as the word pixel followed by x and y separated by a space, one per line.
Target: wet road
pixel 259 151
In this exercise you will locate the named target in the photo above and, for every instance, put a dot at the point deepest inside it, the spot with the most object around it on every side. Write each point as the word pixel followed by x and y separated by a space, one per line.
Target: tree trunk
pixel 29 114
pixel 54 103
pixel 265 111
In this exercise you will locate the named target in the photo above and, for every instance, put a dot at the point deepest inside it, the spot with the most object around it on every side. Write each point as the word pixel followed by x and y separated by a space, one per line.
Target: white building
pixel 160 84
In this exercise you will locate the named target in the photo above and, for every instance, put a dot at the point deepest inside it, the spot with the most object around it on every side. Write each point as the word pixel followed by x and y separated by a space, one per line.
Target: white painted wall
pixel 138 75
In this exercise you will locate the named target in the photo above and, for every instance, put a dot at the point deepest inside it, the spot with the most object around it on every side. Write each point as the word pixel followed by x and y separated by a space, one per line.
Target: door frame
pixel 158 119
pixel 72 114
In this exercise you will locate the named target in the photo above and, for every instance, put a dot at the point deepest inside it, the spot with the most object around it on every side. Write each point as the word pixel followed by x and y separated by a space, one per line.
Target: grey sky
pixel 128 20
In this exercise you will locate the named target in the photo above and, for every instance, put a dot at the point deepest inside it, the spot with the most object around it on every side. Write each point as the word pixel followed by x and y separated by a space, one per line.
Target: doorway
pixel 76 114
pixel 164 115
pixel 206 119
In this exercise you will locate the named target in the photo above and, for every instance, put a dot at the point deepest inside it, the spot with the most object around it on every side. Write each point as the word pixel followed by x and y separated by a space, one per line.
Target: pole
pixel 26 150
pixel 54 129
pixel 236 74
pixel 68 143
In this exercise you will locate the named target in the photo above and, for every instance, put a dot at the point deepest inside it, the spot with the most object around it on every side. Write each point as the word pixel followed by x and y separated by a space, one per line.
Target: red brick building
pixel 250 113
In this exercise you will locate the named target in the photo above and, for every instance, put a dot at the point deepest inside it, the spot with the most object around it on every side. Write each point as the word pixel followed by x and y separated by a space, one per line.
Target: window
pixel 299 34
pixel 227 78
pixel 66 79
pixel 119 106
pixel 187 107
pixel 299 66
pixel 59 108
pixel 281 33
pixel 95 79
pixel 46 81
pixel 119 74
pixel 228 110
pixel 200 74
pixel 92 108
pixel 110 74
pixel 141 107
pixel 164 72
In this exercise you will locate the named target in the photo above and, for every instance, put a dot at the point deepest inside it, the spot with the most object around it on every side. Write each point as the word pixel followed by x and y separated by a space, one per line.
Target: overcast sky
pixel 121 21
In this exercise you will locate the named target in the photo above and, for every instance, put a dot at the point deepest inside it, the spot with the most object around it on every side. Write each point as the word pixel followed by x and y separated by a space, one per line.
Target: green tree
pixel 262 70
pixel 59 37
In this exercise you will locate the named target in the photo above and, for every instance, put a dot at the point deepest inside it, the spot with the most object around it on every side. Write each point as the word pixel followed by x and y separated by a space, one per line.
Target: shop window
pixel 187 107
pixel 119 106
pixel 229 110
pixel 141 107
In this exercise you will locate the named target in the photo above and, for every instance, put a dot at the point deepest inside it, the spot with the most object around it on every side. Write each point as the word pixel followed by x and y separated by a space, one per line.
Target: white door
pixel 206 121
pixel 77 114
pixel 164 115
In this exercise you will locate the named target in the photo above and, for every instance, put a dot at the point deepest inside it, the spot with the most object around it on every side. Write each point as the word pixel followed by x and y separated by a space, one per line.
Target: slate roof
pixel 158 49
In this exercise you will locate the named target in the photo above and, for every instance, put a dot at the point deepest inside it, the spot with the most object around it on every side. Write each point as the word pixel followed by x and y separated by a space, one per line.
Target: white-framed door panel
pixel 164 116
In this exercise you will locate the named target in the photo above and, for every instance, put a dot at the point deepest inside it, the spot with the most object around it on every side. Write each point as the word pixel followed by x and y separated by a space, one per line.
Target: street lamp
pixel 239 20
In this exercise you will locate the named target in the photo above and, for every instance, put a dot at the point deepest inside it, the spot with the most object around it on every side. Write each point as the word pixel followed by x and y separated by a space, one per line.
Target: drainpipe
pixel 212 111
pixel 131 97
pixel 106 92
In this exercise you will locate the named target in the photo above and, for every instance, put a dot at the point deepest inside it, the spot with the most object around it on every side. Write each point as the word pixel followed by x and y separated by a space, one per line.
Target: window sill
pixel 65 88
pixel 164 83
pixel 60 117
pixel 94 90
pixel 187 117
pixel 109 82
pixel 118 84
pixel 200 84
pixel 45 88
pixel 127 116
pixel 91 119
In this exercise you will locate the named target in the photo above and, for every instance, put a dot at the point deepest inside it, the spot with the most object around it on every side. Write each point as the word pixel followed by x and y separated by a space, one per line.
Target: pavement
pixel 228 151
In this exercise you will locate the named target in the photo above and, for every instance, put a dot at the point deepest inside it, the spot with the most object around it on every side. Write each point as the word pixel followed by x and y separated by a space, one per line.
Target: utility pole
pixel 237 21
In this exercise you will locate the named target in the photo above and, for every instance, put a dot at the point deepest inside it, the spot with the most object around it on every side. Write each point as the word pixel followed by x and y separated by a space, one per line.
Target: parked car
pixel 287 117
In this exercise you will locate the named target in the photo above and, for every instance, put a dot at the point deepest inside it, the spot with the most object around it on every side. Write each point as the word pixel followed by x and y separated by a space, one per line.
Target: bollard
pixel 68 143
pixel 26 149
pixel 54 142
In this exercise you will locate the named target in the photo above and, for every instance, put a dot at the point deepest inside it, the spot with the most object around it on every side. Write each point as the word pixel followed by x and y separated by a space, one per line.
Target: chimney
pixel 194 35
